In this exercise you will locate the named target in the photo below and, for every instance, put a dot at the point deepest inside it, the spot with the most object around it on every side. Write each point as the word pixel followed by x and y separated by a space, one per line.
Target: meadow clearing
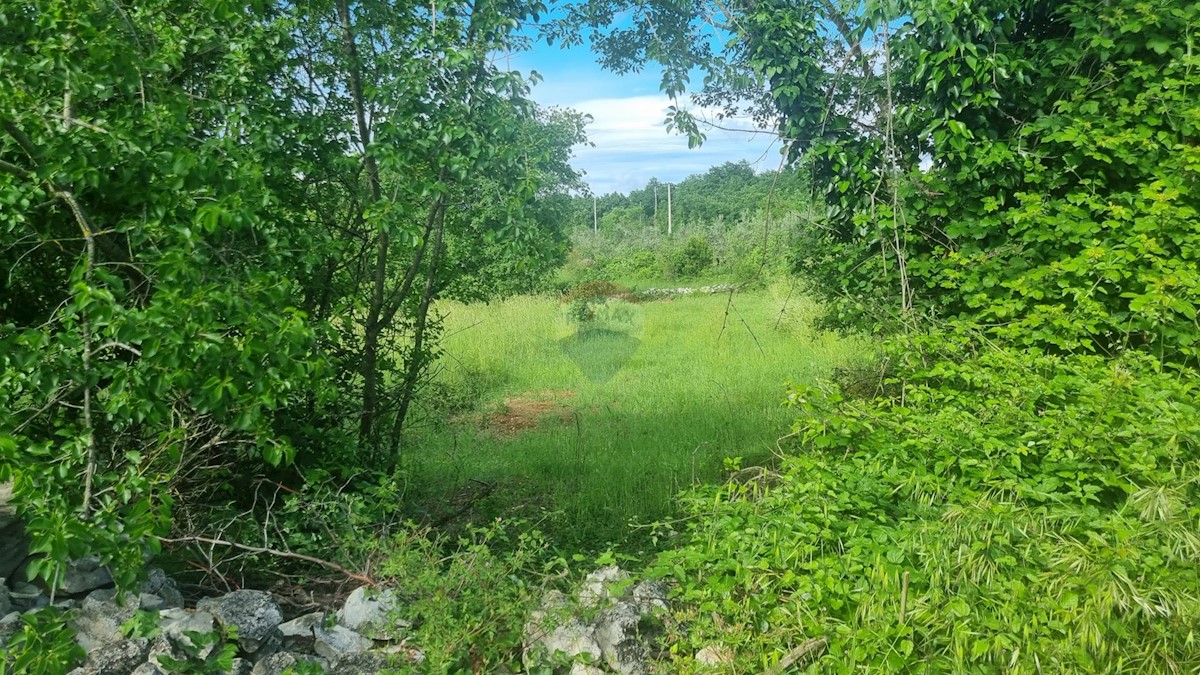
pixel 592 430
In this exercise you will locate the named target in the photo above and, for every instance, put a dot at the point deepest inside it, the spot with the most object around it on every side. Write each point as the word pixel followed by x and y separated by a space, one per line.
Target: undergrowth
pixel 1001 510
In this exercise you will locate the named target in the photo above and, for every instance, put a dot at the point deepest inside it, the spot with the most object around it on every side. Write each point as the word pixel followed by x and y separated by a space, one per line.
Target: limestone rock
pixel 573 638
pixel 254 614
pixel 279 662
pixel 179 622
pixel 5 602
pixel 158 584
pixel 25 597
pixel 118 658
pixel 613 624
pixel 338 642
pixel 714 656
pixel 150 602
pixel 650 596
pixel 168 646
pixel 83 575
pixel 370 613
pixel 302 626
pixel 600 587
pixel 298 635
pixel 98 621
pixel 9 625
pixel 624 647
pixel 585 669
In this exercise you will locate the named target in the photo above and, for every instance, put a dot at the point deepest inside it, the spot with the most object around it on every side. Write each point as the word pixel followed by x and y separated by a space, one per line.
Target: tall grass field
pixel 592 427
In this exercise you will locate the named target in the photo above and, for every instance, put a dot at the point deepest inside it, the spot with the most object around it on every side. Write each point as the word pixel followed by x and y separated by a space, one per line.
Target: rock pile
pixel 361 637
pixel 685 290
pixel 610 625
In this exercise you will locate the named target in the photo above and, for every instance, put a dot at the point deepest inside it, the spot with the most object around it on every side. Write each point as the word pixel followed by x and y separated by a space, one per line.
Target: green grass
pixel 694 386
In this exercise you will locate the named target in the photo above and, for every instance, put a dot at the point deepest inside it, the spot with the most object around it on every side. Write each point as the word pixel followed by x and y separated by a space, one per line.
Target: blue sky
pixel 631 143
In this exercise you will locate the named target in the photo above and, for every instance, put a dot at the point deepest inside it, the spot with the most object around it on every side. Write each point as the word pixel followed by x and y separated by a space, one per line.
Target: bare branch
pixel 15 170
pixel 195 539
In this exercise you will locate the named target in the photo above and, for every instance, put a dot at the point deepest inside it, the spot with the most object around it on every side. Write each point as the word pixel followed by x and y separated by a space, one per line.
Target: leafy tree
pixel 1057 136
pixel 153 327
pixel 225 228
pixel 1014 491
pixel 447 153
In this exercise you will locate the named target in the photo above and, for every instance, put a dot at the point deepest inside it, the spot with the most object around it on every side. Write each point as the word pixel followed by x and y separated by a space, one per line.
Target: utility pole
pixel 656 205
pixel 668 209
pixel 595 218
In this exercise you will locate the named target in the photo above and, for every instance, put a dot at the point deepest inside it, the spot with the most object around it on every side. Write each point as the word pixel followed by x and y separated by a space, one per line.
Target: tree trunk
pixel 417 359
pixel 373 327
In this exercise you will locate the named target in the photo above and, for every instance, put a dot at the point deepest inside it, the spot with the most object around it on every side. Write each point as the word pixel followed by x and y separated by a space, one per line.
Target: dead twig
pixel 195 539
pixel 808 647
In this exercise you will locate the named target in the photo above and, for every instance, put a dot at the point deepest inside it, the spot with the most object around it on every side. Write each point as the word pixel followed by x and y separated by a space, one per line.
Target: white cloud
pixel 632 145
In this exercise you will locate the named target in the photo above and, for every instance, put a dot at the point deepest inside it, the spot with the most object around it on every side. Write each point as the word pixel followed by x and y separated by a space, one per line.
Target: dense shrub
pixel 1004 510
pixel 692 259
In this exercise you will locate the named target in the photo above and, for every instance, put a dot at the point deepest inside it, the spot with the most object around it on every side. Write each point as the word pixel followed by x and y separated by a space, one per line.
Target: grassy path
pixel 559 429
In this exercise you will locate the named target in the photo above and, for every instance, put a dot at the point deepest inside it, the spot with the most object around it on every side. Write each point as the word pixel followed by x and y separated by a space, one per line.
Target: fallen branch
pixel 813 646
pixel 271 551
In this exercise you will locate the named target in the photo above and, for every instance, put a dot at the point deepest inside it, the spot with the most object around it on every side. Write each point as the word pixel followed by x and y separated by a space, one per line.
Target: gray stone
pixel 302 626
pixel 584 669
pixel 364 663
pixel 277 663
pixel 118 658
pixel 168 646
pixel 553 630
pixel 98 621
pixel 9 625
pixel 369 612
pixel 601 586
pixel 624 647
pixel 241 667
pixel 175 621
pixel 714 656
pixel 254 614
pixel 5 602
pixel 338 642
pixel 25 597
pixel 553 601
pixel 150 602
pixel 83 575
pixel 298 635
pixel 573 638
pixel 177 629
pixel 147 669
pixel 650 596
pixel 157 583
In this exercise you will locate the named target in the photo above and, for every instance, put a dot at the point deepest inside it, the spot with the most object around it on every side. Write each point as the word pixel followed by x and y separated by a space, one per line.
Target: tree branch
pixel 15 170
pixel 195 539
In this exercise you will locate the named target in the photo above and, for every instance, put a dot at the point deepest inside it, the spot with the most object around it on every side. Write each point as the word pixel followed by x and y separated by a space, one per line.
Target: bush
pixel 468 607
pixel 1003 510
pixel 692 259
pixel 44 643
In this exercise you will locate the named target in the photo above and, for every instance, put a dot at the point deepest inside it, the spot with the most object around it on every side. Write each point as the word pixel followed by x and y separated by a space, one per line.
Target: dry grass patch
pixel 528 411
